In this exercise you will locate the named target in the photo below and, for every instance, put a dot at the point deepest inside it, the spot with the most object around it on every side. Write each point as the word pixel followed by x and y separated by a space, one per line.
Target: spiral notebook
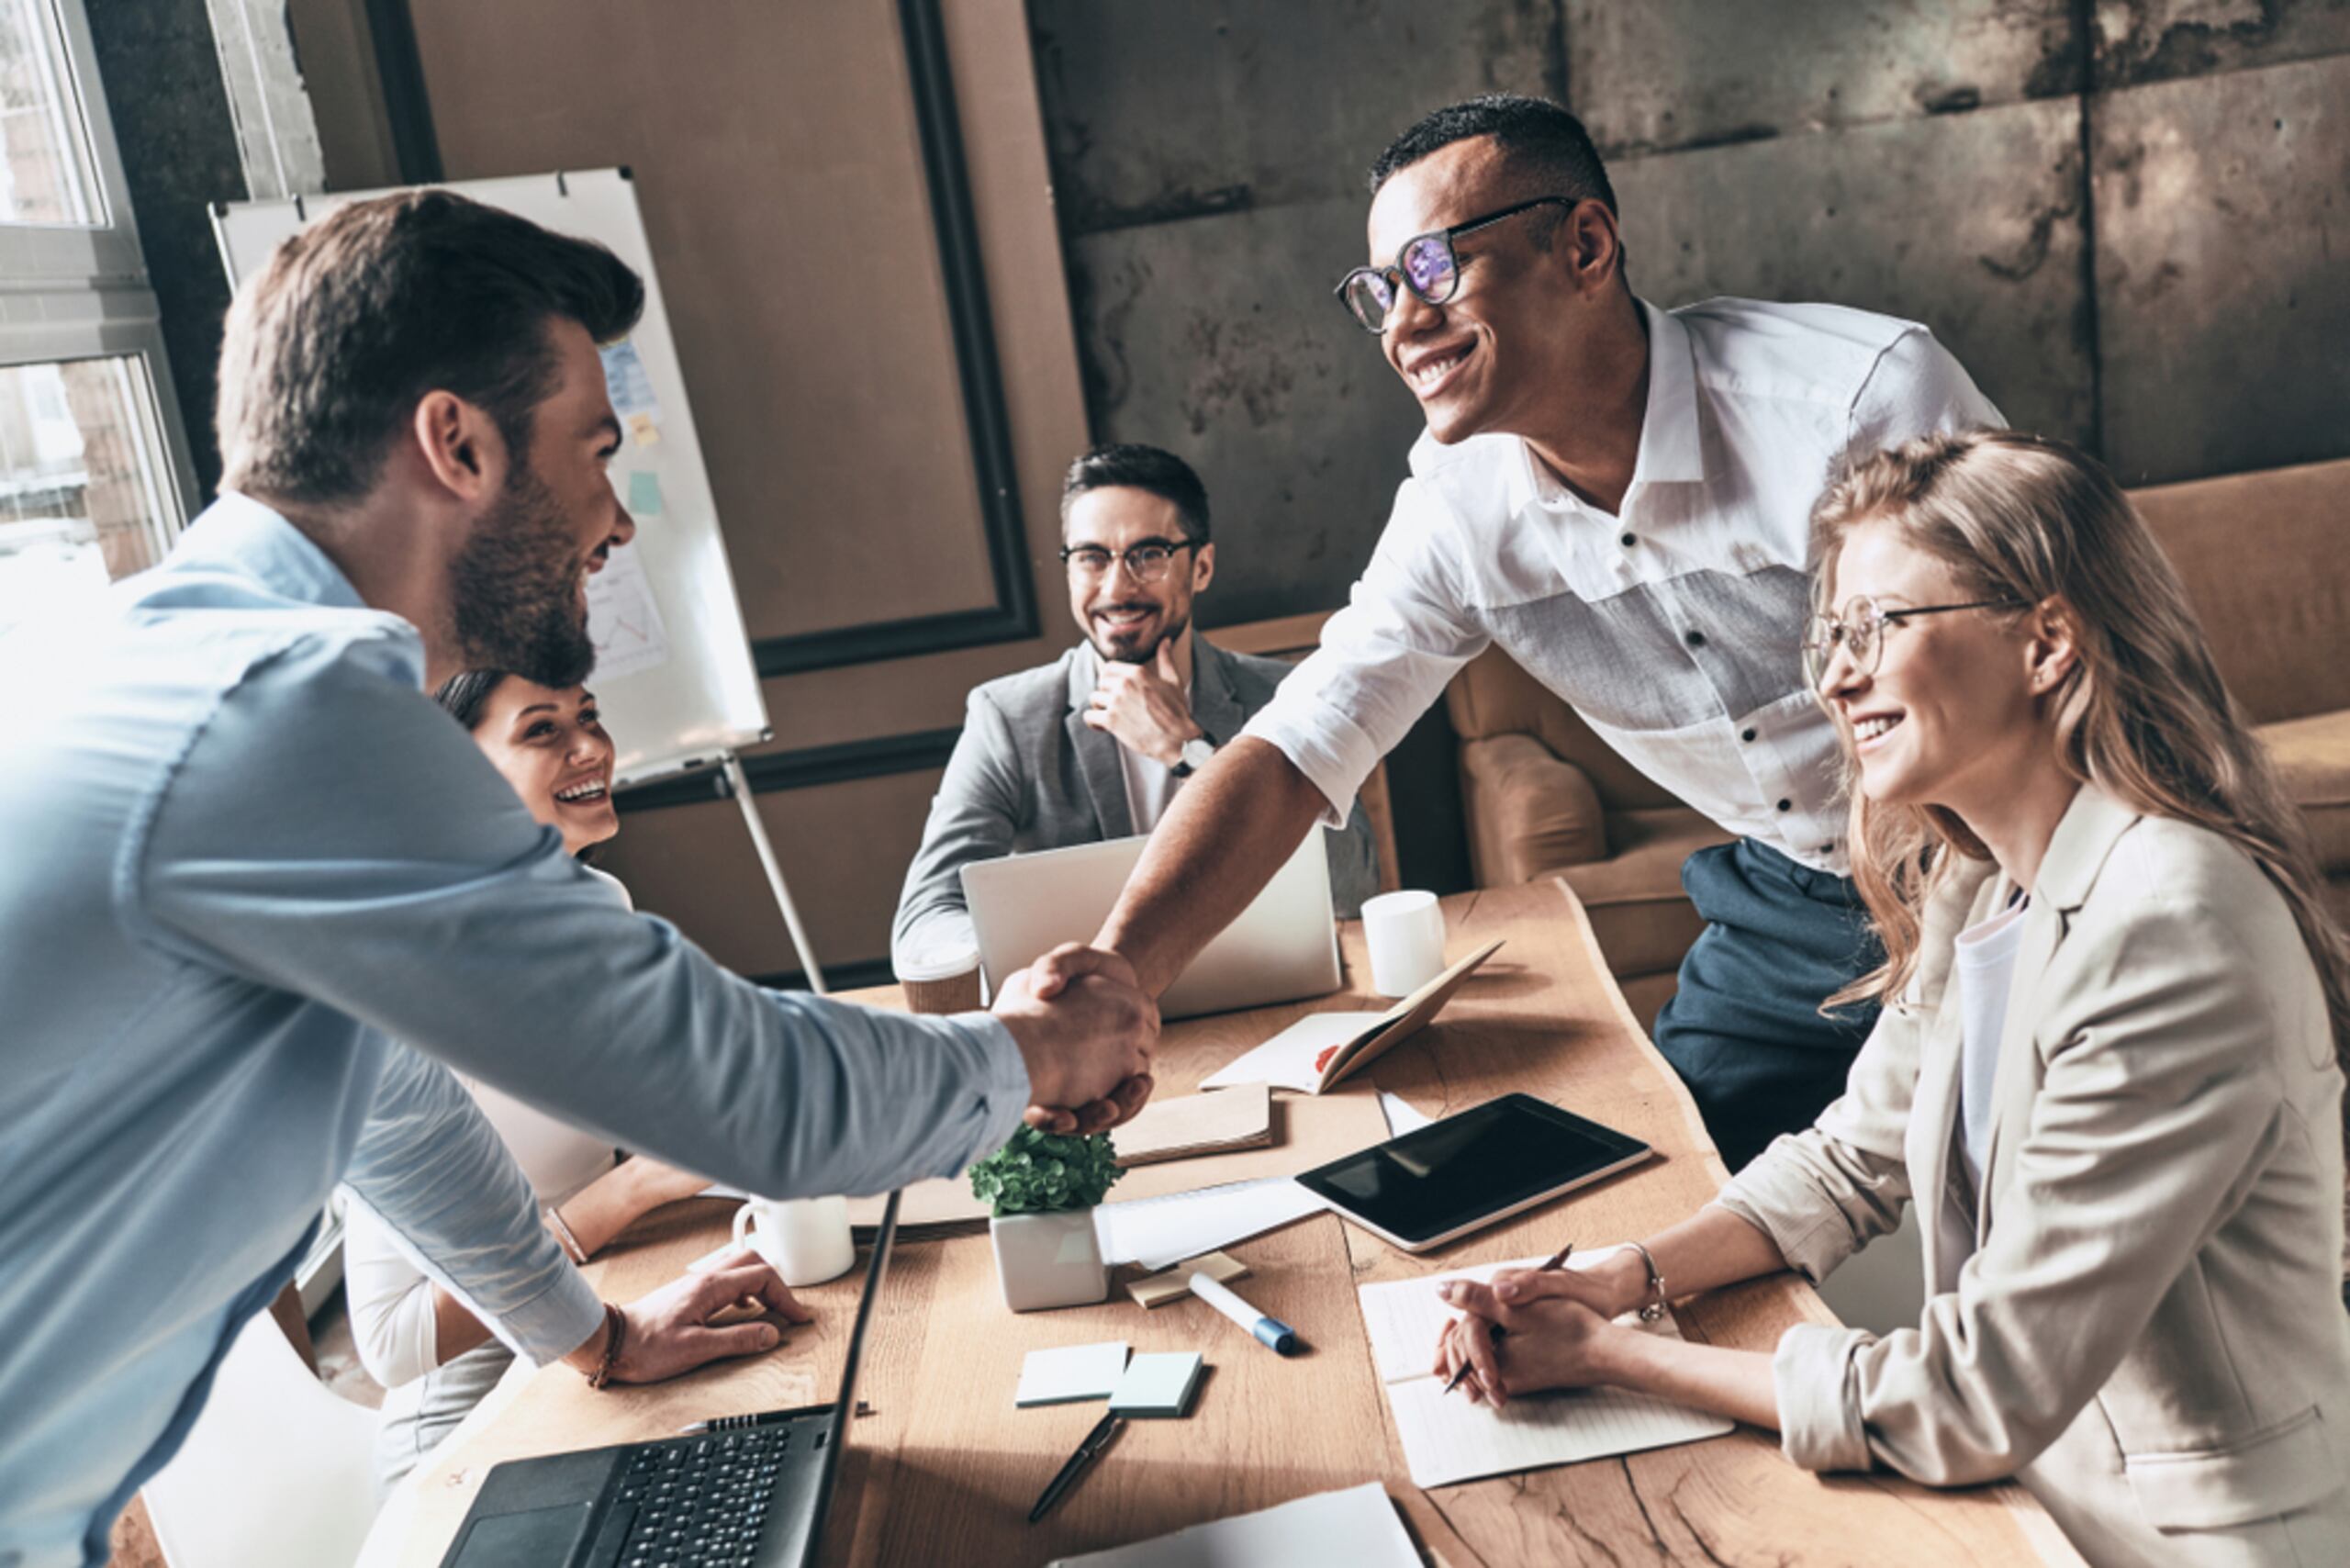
pixel 1447 1439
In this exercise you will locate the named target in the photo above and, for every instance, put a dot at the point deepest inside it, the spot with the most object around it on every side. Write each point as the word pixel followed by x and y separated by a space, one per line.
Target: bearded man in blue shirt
pixel 247 853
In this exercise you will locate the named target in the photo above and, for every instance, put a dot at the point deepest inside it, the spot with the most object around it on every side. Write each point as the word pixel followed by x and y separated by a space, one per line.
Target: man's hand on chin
pixel 1086 1033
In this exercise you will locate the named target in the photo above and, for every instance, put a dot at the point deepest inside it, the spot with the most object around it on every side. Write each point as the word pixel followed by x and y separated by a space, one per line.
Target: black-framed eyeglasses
pixel 1427 265
pixel 1859 630
pixel 1145 559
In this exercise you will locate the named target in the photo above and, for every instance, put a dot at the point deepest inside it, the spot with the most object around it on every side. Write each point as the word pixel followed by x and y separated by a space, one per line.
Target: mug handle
pixel 744 1217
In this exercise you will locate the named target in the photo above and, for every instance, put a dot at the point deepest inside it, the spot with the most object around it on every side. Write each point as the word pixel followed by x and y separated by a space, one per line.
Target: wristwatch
pixel 1194 756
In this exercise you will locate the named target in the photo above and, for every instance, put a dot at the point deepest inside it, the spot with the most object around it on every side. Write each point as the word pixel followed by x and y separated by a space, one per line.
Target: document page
pixel 1447 1439
pixel 1357 1527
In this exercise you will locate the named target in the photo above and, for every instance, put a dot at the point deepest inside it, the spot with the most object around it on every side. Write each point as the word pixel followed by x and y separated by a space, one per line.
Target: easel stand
pixel 739 785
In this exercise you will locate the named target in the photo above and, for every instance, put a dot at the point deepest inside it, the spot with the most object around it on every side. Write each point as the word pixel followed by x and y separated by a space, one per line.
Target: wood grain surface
pixel 940 1468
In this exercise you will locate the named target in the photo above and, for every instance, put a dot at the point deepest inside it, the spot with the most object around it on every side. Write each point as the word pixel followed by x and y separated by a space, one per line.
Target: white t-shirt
pixel 1150 784
pixel 1985 964
pixel 391 1299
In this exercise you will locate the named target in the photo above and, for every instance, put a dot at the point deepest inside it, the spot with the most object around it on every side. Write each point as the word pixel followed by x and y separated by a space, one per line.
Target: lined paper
pixel 1448 1438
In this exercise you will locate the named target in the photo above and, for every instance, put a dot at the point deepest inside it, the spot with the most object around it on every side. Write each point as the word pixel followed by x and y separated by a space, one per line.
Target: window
pixel 93 469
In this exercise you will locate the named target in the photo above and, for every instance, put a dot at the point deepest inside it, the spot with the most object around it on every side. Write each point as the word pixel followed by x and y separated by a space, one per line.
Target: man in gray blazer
pixel 1095 744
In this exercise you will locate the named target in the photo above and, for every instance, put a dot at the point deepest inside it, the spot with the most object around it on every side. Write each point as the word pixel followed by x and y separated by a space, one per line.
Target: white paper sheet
pixel 1403 1116
pixel 1155 1232
pixel 1286 1061
pixel 1357 1527
pixel 1447 1439
pixel 623 620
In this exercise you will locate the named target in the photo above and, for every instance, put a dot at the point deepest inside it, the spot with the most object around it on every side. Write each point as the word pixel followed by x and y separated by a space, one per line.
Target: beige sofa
pixel 2265 558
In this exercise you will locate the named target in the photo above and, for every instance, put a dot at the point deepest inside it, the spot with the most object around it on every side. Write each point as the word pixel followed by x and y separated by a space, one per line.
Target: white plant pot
pixel 1052 1259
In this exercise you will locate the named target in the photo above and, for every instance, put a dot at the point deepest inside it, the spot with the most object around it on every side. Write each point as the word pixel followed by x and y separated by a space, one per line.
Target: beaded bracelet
pixel 1654 1308
pixel 616 1324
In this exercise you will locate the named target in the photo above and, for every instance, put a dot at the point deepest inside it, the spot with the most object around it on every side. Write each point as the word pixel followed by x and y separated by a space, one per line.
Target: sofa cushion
pixel 2261 556
pixel 1492 694
pixel 2314 755
pixel 1527 812
pixel 1642 919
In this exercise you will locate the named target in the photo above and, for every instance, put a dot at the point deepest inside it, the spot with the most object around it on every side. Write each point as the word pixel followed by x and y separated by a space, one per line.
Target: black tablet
pixel 1451 1177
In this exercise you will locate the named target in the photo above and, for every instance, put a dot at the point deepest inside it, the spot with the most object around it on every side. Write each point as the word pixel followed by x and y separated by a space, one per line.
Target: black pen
pixel 1556 1260
pixel 1087 1452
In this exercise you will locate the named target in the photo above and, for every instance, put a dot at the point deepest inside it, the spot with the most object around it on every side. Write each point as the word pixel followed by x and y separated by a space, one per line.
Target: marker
pixel 1271 1332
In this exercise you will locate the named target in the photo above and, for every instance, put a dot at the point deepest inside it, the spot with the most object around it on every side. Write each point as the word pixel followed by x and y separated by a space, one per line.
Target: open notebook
pixel 1447 1439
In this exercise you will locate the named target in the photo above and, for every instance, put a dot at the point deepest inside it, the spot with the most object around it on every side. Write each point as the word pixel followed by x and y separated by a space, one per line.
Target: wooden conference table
pixel 940 1468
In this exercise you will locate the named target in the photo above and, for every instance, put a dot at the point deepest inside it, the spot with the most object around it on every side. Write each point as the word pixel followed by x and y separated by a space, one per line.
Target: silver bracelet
pixel 577 1254
pixel 1654 1309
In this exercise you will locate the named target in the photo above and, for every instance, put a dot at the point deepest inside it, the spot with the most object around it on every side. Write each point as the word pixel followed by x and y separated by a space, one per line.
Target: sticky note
pixel 643 493
pixel 1071 1373
pixel 1158 1290
pixel 1159 1383
pixel 647 431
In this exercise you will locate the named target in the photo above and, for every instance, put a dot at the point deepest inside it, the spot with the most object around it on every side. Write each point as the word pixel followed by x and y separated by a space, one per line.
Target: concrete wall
pixel 2127 219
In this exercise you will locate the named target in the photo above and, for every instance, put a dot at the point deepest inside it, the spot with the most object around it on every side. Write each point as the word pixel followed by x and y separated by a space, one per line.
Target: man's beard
pixel 515 589
pixel 1142 653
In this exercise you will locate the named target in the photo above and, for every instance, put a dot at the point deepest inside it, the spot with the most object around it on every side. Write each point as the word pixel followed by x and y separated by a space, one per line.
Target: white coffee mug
pixel 806 1240
pixel 1405 932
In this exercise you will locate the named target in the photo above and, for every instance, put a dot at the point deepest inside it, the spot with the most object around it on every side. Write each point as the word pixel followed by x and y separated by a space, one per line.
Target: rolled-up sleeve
pixel 388 871
pixel 1382 660
pixel 440 1188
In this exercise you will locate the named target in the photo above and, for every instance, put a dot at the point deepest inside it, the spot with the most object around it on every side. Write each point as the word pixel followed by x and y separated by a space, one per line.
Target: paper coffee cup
pixel 941 978
pixel 1405 933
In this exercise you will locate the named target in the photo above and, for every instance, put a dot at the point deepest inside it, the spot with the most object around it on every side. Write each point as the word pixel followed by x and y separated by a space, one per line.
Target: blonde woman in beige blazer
pixel 2128 1173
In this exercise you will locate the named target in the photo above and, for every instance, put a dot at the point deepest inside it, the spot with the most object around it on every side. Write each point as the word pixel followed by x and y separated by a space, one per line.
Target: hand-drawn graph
pixel 623 620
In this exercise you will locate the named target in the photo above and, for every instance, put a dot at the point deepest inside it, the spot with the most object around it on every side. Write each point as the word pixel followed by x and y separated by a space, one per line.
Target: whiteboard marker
pixel 1270 1331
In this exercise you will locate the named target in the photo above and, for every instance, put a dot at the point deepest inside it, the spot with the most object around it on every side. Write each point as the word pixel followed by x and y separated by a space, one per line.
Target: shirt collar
pixel 239 531
pixel 1671 450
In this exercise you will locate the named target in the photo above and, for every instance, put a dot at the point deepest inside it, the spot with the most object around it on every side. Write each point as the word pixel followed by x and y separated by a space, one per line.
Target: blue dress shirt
pixel 245 854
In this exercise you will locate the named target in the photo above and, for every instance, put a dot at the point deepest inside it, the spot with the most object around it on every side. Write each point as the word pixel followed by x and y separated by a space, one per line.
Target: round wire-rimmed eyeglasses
pixel 1859 630
pixel 1426 264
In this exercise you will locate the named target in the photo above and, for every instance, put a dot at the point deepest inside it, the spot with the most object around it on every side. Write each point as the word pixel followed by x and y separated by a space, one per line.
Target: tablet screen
pixel 1457 1173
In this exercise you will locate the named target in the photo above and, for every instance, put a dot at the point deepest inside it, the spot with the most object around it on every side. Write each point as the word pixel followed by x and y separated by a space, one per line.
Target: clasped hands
pixel 1086 1031
pixel 1560 1323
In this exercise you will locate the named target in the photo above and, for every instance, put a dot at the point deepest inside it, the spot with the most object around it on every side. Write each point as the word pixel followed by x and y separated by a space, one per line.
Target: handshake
pixel 1087 1030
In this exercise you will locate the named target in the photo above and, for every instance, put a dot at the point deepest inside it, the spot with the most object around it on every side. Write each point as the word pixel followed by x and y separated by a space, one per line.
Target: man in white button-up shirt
pixel 1619 495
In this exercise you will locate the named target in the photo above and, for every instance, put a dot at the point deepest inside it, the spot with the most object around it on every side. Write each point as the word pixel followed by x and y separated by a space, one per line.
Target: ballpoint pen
pixel 1087 1452
pixel 1556 1260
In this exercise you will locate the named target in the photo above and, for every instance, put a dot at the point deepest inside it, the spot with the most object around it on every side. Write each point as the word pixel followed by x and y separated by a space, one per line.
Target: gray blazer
pixel 1029 773
pixel 2147 1327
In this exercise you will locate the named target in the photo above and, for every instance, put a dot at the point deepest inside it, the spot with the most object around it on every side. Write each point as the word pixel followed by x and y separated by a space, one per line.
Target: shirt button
pixel 1786 805
pixel 1746 735
pixel 1695 638
pixel 1626 542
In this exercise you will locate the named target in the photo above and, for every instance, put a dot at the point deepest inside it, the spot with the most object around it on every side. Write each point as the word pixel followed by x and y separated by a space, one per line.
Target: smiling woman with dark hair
pixel 2109 1071
pixel 435 1358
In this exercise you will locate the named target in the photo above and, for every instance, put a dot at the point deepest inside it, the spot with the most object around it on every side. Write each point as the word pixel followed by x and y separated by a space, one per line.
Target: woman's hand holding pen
pixel 1558 1329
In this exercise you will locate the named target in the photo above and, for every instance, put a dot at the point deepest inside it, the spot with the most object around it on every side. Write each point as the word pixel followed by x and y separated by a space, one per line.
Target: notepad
pixel 1316 1053
pixel 1071 1373
pixel 1157 1382
pixel 1158 1290
pixel 1357 1527
pixel 1448 1438
pixel 1198 1124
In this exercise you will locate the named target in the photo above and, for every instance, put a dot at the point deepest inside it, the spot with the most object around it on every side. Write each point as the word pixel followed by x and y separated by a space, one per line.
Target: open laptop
pixel 750 1496
pixel 1283 947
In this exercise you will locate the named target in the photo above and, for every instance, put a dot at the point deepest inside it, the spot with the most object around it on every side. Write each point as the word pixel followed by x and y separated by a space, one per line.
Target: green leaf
pixel 1046 1173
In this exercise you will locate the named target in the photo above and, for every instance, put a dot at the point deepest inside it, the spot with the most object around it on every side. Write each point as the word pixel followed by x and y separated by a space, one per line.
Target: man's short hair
pixel 328 348
pixel 1161 473
pixel 1536 137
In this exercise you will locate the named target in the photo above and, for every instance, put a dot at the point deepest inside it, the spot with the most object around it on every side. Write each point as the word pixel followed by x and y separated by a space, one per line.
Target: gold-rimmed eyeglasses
pixel 1859 630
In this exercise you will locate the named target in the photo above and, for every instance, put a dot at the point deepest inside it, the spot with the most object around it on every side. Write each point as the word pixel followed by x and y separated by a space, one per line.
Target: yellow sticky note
pixel 644 429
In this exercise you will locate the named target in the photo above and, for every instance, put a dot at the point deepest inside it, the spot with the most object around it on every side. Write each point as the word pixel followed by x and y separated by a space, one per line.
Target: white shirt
pixel 1150 784
pixel 1673 626
pixel 1987 970
pixel 390 1298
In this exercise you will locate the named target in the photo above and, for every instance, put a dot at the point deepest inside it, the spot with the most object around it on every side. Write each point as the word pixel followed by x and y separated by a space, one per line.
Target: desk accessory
pixel 1404 932
pixel 1271 1332
pixel 1175 1283
pixel 1198 1124
pixel 1556 1260
pixel 1068 1374
pixel 1157 1383
pixel 1320 1050
pixel 1449 1440
pixel 1043 1187
pixel 1075 1465
pixel 805 1240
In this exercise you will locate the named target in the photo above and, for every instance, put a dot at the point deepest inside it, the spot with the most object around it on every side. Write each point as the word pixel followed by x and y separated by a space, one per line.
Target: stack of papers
pixel 1157 1383
pixel 1357 1527
pixel 1448 1438
pixel 1156 1232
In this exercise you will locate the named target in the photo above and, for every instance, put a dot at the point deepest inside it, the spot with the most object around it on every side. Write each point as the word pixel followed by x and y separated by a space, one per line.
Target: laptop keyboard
pixel 703 1505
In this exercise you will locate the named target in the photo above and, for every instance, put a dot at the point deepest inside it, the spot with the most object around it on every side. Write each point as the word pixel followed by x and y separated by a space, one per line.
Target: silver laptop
pixel 1283 947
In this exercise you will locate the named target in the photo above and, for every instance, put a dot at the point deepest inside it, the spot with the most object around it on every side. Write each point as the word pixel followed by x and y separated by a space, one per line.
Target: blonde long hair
pixel 2141 714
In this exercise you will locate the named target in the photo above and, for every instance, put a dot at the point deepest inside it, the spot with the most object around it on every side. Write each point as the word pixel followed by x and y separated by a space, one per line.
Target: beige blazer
pixel 2148 1327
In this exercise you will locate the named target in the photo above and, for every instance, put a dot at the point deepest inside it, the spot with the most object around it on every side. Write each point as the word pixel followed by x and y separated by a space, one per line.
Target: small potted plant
pixel 1041 1188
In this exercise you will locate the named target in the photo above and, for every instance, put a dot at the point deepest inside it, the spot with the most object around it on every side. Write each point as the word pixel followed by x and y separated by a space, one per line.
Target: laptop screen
pixel 845 1408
